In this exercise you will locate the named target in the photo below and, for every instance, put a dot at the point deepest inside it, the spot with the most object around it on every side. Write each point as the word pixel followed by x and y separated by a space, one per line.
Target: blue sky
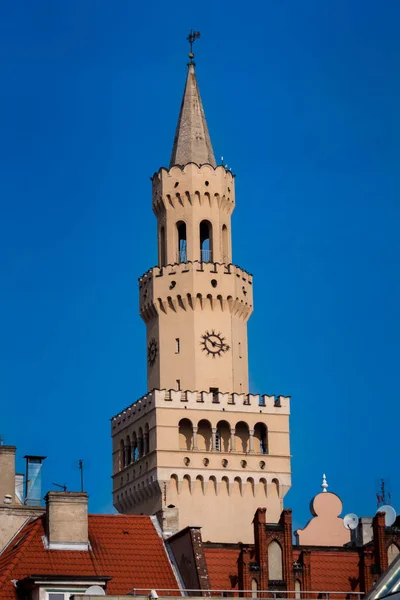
pixel 302 101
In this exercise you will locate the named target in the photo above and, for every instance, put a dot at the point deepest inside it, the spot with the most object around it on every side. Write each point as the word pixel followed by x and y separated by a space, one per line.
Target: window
pixel 162 247
pixel 177 346
pixel 182 246
pixel 178 384
pixel 205 241
pixel 225 250
pixel 63 594
pixel 275 572
pixel 214 391
pixel 240 350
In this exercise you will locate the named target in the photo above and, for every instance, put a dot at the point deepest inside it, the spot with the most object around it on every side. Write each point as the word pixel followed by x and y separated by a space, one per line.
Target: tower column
pixel 232 440
pixel 251 440
pixel 214 439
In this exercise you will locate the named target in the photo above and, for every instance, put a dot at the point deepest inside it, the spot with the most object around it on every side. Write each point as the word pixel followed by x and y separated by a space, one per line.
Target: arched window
pixel 146 439
pixel 242 437
pixel 162 247
pixel 128 454
pixel 181 233
pixel 275 561
pixel 254 588
pixel 185 434
pixel 225 245
pixel 224 433
pixel 218 441
pixel 204 435
pixel 140 443
pixel 261 438
pixel 135 449
pixel 297 588
pixel 121 454
pixel 205 241
pixel 392 552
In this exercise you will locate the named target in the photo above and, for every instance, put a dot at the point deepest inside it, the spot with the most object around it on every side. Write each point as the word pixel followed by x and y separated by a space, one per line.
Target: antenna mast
pixel 81 470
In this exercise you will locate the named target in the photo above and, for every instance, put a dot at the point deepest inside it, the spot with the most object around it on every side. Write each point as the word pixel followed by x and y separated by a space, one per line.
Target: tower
pixel 198 449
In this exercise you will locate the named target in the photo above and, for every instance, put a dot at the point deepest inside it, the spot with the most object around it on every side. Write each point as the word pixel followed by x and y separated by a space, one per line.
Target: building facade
pixel 198 446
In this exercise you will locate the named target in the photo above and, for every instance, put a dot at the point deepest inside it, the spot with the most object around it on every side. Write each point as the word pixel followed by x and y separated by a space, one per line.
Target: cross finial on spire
pixel 324 483
pixel 191 38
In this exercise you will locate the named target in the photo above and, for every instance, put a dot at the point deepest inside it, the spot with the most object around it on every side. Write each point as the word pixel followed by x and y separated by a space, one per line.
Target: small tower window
pixel 182 246
pixel 178 384
pixel 177 345
pixel 225 251
pixel 206 241
pixel 162 247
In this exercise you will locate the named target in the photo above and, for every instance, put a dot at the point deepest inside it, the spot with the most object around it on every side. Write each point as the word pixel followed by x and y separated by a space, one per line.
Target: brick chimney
pixel 67 520
pixel 7 475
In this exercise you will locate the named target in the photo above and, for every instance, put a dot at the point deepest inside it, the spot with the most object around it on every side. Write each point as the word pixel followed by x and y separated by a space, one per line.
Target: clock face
pixel 152 352
pixel 213 343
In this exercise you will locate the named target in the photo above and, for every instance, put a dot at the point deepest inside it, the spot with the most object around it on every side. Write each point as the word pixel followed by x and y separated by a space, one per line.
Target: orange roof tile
pixel 124 547
pixel 222 567
pixel 335 571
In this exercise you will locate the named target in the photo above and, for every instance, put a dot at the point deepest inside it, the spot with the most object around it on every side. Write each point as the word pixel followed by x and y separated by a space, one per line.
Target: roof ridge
pixel 33 522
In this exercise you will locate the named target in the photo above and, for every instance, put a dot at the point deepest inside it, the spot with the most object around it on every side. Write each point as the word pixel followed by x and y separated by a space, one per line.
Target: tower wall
pixel 204 457
pixel 180 304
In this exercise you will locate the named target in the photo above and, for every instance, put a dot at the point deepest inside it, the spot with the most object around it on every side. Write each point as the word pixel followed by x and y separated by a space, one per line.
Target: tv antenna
pixel 381 495
pixel 81 470
pixel 63 487
pixel 350 521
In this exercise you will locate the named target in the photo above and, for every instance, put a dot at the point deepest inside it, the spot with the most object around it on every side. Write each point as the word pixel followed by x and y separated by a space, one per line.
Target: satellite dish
pixel 95 590
pixel 390 514
pixel 350 521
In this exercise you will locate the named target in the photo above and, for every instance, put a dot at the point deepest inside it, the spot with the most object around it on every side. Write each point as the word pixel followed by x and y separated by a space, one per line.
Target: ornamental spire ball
pixel 191 38
pixel 324 483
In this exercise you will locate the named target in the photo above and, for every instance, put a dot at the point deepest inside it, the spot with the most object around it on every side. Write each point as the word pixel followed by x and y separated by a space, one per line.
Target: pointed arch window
pixel 275 571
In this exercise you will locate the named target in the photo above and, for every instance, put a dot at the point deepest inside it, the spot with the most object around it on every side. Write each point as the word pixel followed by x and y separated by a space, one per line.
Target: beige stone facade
pixel 198 444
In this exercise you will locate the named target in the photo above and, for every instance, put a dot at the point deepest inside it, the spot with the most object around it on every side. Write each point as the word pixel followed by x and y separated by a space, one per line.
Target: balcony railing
pixel 182 256
pixel 206 255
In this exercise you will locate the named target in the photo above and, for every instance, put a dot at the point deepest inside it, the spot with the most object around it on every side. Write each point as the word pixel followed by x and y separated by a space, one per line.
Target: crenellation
pixel 220 401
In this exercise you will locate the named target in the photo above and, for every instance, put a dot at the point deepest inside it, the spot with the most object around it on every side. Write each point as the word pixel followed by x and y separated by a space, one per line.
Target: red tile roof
pixel 222 567
pixel 124 547
pixel 335 571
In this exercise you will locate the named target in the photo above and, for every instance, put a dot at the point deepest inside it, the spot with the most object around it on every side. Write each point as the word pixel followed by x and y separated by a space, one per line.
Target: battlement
pixel 194 285
pixel 260 403
pixel 193 184
pixel 203 267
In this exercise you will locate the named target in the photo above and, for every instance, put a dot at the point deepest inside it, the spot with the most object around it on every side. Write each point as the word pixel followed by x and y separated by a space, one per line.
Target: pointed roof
pixel 192 141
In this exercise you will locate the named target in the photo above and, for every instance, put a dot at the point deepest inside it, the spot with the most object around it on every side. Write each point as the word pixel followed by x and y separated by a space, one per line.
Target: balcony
pixel 206 255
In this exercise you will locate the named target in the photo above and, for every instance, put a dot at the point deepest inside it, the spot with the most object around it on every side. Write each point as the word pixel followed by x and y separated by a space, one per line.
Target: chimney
pixel 67 520
pixel 168 517
pixel 7 475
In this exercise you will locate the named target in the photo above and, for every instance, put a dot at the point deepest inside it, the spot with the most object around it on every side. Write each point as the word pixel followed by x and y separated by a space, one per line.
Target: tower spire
pixel 192 141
